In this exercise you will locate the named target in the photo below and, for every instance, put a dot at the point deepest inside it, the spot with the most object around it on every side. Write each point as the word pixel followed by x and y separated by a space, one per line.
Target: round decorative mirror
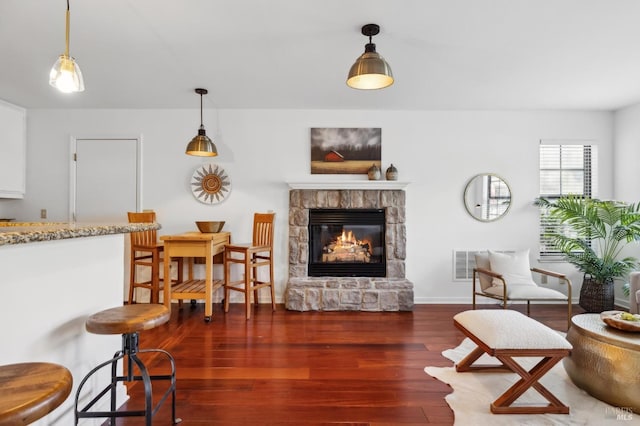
pixel 487 197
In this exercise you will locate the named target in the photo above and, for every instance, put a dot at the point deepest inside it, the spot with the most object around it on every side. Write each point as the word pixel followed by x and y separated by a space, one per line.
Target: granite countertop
pixel 30 232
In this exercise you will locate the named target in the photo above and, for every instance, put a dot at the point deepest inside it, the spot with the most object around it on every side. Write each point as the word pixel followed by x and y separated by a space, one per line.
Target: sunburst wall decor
pixel 210 184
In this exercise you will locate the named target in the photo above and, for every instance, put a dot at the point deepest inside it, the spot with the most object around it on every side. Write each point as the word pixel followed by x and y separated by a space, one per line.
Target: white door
pixel 105 179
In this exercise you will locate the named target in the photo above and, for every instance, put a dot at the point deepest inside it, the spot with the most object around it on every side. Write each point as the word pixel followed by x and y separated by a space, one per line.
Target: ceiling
pixel 445 54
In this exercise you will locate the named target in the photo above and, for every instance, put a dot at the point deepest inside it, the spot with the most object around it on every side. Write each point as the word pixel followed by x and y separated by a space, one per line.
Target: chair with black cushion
pixel 146 251
pixel 508 277
pixel 252 256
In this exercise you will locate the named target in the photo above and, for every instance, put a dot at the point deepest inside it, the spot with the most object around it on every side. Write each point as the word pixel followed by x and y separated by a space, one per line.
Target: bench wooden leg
pixel 466 363
pixel 529 379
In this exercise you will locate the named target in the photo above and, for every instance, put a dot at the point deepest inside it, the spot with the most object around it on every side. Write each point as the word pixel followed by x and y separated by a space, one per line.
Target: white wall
pixel 626 154
pixel 437 151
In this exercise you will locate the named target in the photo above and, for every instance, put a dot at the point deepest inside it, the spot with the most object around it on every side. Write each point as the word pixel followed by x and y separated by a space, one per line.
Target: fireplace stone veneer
pixel 390 293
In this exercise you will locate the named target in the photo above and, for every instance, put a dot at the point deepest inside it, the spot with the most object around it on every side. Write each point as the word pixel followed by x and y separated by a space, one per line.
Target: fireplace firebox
pixel 347 242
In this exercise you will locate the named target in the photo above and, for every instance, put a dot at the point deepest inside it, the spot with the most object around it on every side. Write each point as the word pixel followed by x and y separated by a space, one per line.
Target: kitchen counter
pixel 52 281
pixel 30 232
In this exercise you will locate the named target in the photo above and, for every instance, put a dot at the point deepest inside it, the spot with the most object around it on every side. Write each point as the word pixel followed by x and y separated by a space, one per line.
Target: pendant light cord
pixel 66 41
pixel 201 122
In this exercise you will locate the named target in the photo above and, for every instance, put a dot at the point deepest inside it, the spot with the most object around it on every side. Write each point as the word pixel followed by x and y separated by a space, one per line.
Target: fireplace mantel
pixel 348 184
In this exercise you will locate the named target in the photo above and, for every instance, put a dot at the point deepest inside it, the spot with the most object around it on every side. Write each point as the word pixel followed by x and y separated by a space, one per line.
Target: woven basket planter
pixel 596 297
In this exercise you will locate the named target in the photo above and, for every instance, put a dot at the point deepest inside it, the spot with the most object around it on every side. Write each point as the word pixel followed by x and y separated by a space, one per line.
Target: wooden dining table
pixel 193 245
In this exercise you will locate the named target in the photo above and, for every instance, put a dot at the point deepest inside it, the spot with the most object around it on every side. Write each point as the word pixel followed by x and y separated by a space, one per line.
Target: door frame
pixel 73 145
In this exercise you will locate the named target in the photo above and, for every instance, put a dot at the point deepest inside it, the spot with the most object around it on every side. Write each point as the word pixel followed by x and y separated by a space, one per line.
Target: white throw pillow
pixel 514 267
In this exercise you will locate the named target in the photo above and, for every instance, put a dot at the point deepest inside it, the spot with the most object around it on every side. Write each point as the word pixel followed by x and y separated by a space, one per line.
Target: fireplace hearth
pixel 351 285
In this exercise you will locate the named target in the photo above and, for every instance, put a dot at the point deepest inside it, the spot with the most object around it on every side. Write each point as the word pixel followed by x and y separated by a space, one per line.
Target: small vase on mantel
pixel 373 172
pixel 392 173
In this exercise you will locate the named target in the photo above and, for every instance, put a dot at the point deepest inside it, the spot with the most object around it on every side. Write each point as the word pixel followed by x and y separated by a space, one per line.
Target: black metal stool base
pixel 130 352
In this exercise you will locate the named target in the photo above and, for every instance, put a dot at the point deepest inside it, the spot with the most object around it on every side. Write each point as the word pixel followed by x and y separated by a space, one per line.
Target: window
pixel 564 169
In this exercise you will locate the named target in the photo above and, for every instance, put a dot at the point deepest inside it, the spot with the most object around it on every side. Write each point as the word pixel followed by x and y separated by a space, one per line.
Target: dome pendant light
pixel 201 145
pixel 370 71
pixel 65 74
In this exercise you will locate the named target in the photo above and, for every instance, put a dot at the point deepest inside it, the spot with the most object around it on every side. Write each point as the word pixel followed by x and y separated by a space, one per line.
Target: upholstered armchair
pixel 634 292
pixel 509 278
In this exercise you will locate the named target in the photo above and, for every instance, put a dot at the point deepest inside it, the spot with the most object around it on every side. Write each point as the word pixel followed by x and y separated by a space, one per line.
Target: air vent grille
pixel 464 261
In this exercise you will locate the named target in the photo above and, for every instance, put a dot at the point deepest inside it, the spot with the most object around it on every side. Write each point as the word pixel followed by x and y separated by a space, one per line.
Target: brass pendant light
pixel 65 74
pixel 201 145
pixel 370 71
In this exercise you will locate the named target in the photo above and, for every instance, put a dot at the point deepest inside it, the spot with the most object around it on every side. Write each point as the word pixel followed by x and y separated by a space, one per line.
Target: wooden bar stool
pixel 128 320
pixel 147 251
pixel 31 390
pixel 251 256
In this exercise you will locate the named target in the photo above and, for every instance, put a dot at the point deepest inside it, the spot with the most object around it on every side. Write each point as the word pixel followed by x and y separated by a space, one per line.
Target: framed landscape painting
pixel 345 150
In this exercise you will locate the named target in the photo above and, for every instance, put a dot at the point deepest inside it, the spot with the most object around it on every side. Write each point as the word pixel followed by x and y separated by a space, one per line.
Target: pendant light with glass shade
pixel 201 145
pixel 370 71
pixel 65 74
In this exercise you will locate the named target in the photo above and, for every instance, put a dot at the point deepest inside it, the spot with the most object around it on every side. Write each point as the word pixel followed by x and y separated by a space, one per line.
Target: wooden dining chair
pixel 146 251
pixel 259 253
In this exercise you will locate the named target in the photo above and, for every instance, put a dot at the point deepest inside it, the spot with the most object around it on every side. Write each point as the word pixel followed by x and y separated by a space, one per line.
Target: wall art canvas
pixel 345 150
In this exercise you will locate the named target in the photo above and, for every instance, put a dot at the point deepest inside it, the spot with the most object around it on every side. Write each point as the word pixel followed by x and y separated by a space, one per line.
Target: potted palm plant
pixel 598 231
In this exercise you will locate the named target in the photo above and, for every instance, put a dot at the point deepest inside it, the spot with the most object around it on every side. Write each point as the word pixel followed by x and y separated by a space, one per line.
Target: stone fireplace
pixel 351 288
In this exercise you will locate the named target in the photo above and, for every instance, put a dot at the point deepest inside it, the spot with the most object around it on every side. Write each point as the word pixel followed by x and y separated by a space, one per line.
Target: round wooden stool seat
pixel 127 319
pixel 29 391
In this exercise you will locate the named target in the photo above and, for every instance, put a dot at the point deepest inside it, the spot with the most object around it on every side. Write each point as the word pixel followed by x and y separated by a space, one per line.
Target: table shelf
pixel 193 289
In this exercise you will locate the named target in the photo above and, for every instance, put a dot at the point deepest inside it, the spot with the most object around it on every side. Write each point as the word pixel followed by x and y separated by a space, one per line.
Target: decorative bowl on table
pixel 621 320
pixel 208 226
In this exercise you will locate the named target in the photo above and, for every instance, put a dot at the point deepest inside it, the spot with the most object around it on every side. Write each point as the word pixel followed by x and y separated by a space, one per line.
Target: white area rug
pixel 473 392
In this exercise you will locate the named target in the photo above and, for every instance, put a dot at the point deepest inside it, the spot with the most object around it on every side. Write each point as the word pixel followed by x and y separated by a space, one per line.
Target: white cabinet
pixel 13 150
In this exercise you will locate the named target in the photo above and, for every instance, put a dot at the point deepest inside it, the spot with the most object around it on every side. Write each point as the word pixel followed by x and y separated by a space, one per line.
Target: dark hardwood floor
pixel 311 368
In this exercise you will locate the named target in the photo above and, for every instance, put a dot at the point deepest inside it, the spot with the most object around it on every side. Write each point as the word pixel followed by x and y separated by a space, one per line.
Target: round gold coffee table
pixel 604 361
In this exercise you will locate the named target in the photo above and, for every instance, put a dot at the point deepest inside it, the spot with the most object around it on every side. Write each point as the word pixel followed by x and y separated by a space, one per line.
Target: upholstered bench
pixel 508 334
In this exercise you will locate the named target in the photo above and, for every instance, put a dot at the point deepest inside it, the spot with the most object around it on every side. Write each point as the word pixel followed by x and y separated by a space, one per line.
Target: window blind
pixel 565 169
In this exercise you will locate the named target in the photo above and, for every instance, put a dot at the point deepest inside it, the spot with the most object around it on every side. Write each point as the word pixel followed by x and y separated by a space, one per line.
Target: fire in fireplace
pixel 347 248
pixel 347 242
